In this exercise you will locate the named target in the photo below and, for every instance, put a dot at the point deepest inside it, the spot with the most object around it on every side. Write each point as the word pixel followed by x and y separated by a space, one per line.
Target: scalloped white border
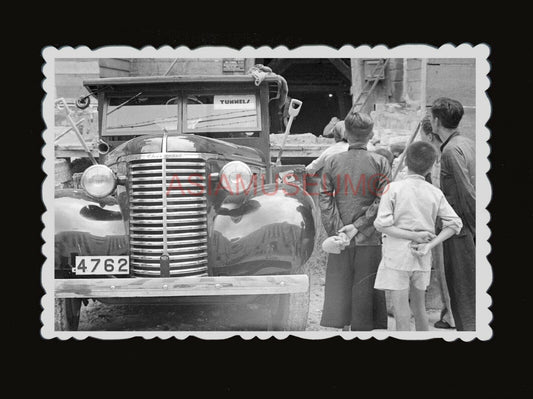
pixel 484 192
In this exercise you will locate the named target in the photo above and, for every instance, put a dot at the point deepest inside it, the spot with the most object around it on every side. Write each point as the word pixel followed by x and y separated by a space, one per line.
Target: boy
pixel 349 199
pixel 407 214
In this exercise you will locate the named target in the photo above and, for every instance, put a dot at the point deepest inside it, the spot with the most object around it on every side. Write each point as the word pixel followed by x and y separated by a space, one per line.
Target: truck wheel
pixel 67 314
pixel 292 310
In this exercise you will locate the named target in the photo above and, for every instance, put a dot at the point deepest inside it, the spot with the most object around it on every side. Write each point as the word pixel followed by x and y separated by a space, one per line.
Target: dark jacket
pixel 458 178
pixel 351 187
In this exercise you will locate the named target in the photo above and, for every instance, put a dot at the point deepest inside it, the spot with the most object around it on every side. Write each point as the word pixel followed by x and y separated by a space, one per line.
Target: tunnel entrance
pixel 322 84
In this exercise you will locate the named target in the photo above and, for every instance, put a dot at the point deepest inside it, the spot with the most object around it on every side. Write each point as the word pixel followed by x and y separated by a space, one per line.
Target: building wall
pixel 389 89
pixel 454 78
pixel 189 66
pixel 114 67
pixel 418 82
pixel 70 74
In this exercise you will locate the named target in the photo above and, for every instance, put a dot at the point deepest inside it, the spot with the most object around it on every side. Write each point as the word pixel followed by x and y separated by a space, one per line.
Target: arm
pixel 448 217
pixel 331 219
pixel 451 225
pixel 316 165
pixel 418 236
pixel 379 185
pixel 384 222
pixel 424 248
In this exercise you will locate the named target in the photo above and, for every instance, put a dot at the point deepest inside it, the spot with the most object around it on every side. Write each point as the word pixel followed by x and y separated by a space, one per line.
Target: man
pixel 328 129
pixel 352 184
pixel 341 145
pixel 446 317
pixel 457 181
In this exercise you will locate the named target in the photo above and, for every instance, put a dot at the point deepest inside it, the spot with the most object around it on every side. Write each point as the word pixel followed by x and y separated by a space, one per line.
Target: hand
pixel 422 237
pixel 349 230
pixel 420 249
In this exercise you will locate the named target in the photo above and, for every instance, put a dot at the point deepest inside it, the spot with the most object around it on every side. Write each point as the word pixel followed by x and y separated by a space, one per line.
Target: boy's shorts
pixel 392 279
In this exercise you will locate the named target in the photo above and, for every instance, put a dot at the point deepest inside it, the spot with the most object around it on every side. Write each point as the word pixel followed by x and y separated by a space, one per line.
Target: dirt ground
pixel 97 316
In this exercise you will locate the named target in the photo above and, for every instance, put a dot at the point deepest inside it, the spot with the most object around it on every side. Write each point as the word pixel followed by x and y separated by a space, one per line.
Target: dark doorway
pixel 317 110
pixel 323 85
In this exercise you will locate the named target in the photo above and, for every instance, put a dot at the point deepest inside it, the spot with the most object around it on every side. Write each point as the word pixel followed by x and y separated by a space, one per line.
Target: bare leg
pixel 418 306
pixel 402 312
pixel 438 265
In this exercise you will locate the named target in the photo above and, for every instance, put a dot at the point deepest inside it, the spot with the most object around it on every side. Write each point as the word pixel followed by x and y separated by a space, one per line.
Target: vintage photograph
pixel 312 192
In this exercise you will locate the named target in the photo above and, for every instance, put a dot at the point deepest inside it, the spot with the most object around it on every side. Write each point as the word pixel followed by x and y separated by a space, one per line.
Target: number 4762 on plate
pixel 99 265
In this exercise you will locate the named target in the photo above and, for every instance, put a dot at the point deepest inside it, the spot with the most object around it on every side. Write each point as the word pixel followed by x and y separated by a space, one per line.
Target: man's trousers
pixel 460 271
pixel 350 297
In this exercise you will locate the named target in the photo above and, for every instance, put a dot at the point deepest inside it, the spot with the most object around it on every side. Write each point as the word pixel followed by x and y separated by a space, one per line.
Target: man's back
pixel 352 182
pixel 458 177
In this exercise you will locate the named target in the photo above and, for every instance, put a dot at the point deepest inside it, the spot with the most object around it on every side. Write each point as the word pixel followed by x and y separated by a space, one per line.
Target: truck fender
pixel 87 226
pixel 271 231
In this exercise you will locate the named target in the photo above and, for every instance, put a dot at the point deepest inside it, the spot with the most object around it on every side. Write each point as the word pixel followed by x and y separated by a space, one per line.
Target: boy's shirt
pixel 412 204
pixel 351 187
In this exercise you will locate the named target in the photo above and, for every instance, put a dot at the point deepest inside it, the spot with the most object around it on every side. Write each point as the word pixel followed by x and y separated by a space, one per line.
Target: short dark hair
pixel 385 153
pixel 450 112
pixel 420 157
pixel 358 125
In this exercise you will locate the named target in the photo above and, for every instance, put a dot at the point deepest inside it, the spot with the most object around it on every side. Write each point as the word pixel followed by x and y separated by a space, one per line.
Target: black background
pixel 432 368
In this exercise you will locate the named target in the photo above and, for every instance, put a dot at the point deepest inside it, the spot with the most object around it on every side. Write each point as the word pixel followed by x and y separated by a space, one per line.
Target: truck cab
pixel 184 203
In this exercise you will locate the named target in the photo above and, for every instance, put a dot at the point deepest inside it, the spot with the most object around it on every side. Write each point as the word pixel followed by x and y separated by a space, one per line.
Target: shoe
pixel 442 324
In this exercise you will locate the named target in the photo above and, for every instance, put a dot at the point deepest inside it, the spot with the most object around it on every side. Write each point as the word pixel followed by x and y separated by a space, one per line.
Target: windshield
pixel 217 114
pixel 221 112
pixel 139 115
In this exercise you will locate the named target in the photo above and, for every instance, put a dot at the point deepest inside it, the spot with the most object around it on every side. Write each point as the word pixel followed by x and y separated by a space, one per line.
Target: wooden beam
pixel 179 286
pixel 342 67
pixel 302 87
pixel 423 84
pixel 280 65
pixel 357 73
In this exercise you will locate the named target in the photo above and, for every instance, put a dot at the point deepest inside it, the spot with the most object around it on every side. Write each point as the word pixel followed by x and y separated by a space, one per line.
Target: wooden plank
pixel 301 147
pixel 342 67
pixel 112 73
pixel 186 66
pixel 115 63
pixel 180 286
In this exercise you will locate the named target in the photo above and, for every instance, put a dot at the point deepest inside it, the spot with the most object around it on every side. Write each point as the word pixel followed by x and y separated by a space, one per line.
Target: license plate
pixel 102 265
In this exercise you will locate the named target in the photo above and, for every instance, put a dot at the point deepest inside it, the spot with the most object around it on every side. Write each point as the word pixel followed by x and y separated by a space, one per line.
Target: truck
pixel 184 204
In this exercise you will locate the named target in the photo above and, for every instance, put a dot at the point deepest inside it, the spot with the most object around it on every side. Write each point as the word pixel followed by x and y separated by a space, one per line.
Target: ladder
pixel 359 102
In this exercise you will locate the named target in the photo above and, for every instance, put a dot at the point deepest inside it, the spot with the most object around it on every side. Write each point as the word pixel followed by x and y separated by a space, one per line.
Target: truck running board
pixel 180 286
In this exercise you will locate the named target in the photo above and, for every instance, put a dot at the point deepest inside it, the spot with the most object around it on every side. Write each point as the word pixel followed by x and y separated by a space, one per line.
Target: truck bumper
pixel 180 286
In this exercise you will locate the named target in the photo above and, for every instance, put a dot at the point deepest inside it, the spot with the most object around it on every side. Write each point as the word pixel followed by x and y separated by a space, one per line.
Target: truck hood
pixel 183 143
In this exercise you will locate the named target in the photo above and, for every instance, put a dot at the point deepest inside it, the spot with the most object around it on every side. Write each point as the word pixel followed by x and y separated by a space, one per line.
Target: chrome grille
pixel 168 217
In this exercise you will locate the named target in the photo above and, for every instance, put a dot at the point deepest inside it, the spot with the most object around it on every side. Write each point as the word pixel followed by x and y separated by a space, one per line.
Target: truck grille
pixel 168 216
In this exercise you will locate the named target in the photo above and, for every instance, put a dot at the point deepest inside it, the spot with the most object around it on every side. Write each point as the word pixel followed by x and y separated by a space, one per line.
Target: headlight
pixel 99 181
pixel 236 177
